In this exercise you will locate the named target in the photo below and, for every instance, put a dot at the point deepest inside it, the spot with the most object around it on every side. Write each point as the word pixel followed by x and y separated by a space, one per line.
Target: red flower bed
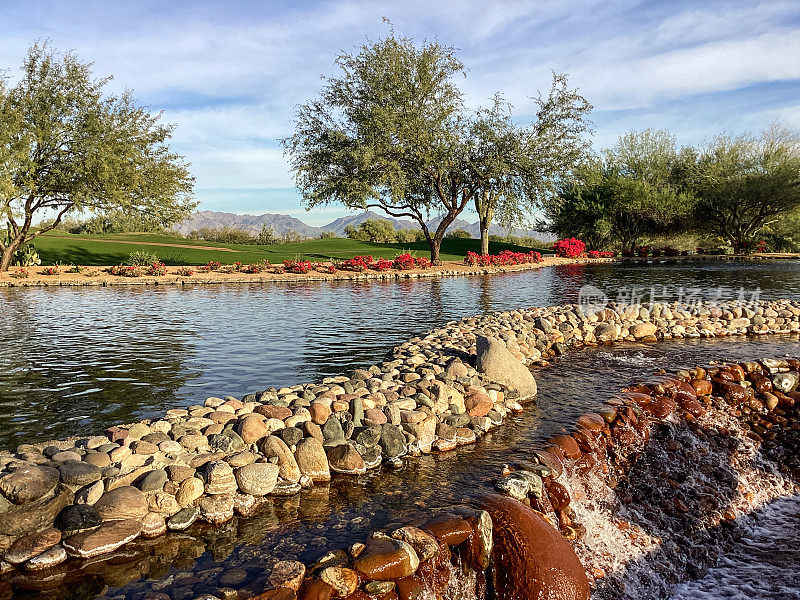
pixel 253 269
pixel 381 265
pixel 422 263
pixel 357 263
pixel 298 266
pixel 505 258
pixel 600 254
pixel 569 248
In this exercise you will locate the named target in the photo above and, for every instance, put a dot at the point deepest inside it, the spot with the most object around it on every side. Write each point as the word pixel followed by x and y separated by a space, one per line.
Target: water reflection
pixel 74 360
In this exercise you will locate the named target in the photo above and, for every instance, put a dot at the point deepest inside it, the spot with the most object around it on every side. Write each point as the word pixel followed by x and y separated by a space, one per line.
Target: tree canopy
pixel 745 183
pixel 65 148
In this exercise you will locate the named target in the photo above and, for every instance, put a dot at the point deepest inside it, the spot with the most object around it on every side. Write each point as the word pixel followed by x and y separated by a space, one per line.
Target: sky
pixel 230 74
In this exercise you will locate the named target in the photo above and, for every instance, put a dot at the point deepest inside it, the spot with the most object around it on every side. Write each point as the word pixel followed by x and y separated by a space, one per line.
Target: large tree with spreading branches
pixel 65 148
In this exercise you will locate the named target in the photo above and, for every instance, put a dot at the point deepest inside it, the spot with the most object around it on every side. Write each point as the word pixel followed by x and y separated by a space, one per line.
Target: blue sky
pixel 230 74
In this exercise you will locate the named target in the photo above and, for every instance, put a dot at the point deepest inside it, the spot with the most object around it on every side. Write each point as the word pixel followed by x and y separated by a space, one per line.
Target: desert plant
pixel 139 258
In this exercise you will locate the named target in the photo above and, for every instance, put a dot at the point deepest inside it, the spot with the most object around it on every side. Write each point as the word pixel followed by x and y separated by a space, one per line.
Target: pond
pixel 75 360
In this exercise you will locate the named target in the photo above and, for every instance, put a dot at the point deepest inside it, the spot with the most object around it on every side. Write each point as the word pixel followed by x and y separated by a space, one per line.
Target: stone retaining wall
pixel 89 496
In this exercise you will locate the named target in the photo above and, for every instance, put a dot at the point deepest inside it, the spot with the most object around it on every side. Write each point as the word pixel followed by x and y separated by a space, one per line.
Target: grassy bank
pixel 112 249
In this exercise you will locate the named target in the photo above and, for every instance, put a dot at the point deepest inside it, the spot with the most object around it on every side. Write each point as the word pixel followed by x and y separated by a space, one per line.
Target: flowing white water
pixel 690 498
pixel 763 565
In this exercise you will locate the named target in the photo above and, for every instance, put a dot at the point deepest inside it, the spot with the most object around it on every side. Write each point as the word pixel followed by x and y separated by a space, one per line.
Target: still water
pixel 76 360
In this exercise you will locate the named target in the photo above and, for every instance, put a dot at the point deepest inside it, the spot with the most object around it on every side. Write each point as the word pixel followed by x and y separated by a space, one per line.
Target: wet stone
pixel 31 545
pixel 49 558
pixel 386 559
pixel 287 574
pixel 77 517
pixel 257 479
pixel 28 483
pixel 106 538
pixel 78 473
pixel 183 519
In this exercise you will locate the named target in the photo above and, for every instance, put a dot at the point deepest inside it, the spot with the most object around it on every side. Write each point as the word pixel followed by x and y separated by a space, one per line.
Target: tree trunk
pixel 8 254
pixel 484 239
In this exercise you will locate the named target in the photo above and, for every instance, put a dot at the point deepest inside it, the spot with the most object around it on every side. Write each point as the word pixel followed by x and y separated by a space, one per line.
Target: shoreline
pixel 447 269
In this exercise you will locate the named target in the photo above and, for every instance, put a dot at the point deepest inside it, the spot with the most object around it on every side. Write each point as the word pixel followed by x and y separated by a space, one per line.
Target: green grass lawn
pixel 90 250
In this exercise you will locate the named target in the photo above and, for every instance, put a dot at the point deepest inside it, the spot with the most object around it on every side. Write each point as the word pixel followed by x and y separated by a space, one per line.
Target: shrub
pixel 253 269
pixel 569 248
pixel 357 263
pixel 22 273
pixel 600 254
pixel 141 258
pixel 458 234
pixel 185 271
pixel 26 256
pixel 378 231
pixel 156 269
pixel 422 263
pixel 381 265
pixel 51 271
pixel 409 236
pixel 404 262
pixel 298 266
pixel 127 270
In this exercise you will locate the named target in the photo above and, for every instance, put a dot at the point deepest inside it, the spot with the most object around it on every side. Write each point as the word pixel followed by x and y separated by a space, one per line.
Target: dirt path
pixel 65 237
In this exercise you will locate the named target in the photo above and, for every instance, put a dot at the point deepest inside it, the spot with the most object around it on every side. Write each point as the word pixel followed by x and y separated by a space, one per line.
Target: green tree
pixel 636 188
pixel 65 148
pixel 521 167
pixel 378 231
pixel 388 133
pixel 746 183
pixel 458 234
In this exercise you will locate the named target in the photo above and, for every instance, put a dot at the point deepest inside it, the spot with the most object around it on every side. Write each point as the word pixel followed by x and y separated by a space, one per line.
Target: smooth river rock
pixel 500 365
pixel 106 538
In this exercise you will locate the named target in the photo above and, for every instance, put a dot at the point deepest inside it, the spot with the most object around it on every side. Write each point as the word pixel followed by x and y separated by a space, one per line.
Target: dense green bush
pixel 140 257
pixel 458 234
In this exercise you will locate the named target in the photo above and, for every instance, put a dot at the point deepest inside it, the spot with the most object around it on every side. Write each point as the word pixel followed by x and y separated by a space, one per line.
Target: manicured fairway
pixel 111 249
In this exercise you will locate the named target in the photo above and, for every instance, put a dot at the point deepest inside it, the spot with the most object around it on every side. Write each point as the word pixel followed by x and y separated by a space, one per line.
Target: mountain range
pixel 281 224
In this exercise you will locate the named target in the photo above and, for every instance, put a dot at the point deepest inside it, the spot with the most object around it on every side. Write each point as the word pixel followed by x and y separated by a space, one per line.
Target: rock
pixel 241 459
pixel 153 525
pixel 153 481
pixel 178 473
pixel 290 436
pixel 274 447
pixel 163 503
pixel 643 330
pixel 183 519
pixel 345 459
pixel 124 502
pixel 393 442
pixel 478 404
pixel 386 559
pixel 332 430
pixel 74 472
pixel 189 490
pixel 342 579
pixel 312 460
pixel 106 538
pixel 28 483
pixel 77 517
pixel 251 428
pixel 374 416
pixel 500 365
pixel 287 574
pixel 273 412
pixel 216 509
pixel 424 544
pixel 37 515
pixel 257 479
pixel 785 382
pixel 219 478
pixel 320 412
pixel 531 558
pixel 31 545
pixel 49 558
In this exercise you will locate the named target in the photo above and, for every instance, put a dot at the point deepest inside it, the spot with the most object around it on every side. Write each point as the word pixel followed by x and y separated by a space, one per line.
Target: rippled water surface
pixel 74 360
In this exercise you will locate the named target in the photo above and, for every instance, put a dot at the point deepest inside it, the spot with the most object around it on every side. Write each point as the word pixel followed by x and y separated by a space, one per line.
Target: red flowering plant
pixel 253 269
pixel 22 273
pixel 381 265
pixel 51 271
pixel 422 263
pixel 127 270
pixel 404 262
pixel 298 266
pixel 600 254
pixel 670 251
pixel 761 246
pixel 357 263
pixel 326 267
pixel 643 251
pixel 156 268
pixel 185 271
pixel 504 259
pixel 569 247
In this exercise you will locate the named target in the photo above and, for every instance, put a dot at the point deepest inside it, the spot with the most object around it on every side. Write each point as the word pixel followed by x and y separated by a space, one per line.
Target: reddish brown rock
pixel 567 444
pixel 28 482
pixel 384 559
pixel 278 594
pixel 531 558
pixel 320 411
pixel 591 421
pixel 318 590
pixel 557 494
pixel 273 412
pixel 450 529
pixel 287 574
pixel 478 404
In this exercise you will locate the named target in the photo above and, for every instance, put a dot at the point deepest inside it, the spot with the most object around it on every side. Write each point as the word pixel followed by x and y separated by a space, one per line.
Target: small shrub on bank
pixel 253 269
pixel 51 271
pixel 127 270
pixel 185 271
pixel 156 269
pixel 22 273
pixel 300 267
pixel 140 258
pixel 600 254
pixel 569 248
